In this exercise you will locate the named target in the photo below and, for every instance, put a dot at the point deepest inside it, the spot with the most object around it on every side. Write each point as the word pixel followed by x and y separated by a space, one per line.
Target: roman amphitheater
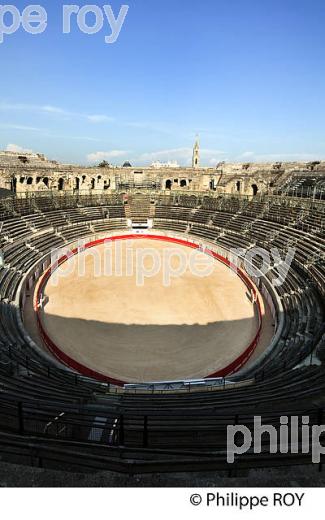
pixel 101 371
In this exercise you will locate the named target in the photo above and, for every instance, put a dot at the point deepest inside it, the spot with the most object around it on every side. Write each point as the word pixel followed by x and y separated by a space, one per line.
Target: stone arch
pixel 255 189
pixel 107 184
pixel 61 184
pixel 183 183
pixel 29 181
pixel 168 184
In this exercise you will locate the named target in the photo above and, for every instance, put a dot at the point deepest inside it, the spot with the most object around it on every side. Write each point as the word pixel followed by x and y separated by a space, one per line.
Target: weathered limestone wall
pixel 33 172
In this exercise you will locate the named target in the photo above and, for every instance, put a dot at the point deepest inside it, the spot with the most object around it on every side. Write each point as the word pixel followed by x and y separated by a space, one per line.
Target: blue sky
pixel 248 76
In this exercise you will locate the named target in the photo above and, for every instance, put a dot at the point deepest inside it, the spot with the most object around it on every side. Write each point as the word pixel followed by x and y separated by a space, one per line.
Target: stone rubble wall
pixel 23 173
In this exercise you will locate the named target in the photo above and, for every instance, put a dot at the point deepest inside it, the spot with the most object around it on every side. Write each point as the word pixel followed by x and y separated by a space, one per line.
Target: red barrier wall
pixel 71 363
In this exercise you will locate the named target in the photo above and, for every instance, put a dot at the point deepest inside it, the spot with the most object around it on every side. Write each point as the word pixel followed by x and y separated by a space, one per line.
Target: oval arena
pixel 99 373
pixel 122 327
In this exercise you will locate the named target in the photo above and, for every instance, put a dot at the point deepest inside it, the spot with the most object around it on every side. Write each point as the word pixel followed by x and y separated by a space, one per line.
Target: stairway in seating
pixel 152 211
pixel 139 209
pixel 127 210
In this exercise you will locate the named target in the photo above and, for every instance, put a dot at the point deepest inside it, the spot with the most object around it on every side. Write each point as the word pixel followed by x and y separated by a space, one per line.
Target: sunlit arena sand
pixel 190 329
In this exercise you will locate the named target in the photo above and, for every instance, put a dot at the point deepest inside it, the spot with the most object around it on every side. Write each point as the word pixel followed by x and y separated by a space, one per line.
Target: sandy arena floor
pixel 190 329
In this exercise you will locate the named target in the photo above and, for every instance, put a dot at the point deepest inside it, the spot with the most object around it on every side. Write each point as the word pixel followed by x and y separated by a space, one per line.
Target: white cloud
pixel 22 127
pixel 54 110
pixel 15 106
pixel 79 138
pixel 18 149
pixel 101 156
pixel 166 155
pixel 99 118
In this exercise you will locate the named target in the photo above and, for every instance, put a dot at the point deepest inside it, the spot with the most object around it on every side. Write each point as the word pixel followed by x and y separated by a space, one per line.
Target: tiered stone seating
pixel 108 225
pixel 75 232
pixel 65 420
pixel 306 185
pixel 46 242
pixel 15 228
pixel 9 281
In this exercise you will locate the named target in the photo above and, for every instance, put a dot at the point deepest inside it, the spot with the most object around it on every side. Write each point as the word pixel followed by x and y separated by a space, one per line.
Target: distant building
pixel 169 164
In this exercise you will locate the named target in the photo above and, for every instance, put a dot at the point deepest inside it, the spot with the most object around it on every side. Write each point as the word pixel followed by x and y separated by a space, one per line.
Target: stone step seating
pixel 15 228
pixel 55 218
pixel 46 243
pixel 173 213
pixel 179 227
pixel 19 256
pixel 59 406
pixel 9 281
pixel 108 225
pixel 87 214
pixel 138 208
pixel 36 221
pixel 201 216
pixel 75 232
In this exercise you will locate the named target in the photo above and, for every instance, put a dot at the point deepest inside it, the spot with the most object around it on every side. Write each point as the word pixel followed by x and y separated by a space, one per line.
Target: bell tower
pixel 196 155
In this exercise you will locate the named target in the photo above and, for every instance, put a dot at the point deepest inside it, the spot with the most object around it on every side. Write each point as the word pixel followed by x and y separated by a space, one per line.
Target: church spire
pixel 196 154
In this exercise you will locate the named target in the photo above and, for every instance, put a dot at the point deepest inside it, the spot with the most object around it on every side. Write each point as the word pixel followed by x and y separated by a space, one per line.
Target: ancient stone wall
pixel 23 173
